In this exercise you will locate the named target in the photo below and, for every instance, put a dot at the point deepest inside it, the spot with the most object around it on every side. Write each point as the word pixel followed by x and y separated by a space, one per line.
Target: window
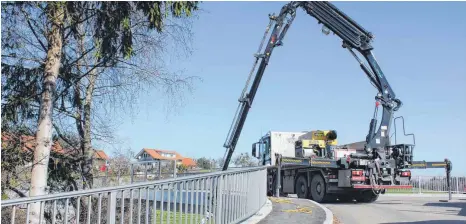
pixel 169 155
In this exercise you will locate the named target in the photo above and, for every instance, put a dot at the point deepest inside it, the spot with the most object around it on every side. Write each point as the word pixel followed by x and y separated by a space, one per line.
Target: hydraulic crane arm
pixel 354 37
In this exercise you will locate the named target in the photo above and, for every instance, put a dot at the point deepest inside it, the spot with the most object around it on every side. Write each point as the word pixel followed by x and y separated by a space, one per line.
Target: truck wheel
pixel 318 190
pixel 301 188
pixel 367 197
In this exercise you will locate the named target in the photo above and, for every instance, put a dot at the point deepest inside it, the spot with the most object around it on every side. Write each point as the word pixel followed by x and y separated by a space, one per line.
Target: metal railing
pixel 433 184
pixel 219 197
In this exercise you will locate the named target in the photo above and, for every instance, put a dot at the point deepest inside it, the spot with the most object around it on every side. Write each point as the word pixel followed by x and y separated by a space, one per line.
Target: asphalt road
pixel 401 209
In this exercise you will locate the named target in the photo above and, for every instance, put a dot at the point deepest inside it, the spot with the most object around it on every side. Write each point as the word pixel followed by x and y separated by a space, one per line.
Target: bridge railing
pixel 218 197
pixel 434 184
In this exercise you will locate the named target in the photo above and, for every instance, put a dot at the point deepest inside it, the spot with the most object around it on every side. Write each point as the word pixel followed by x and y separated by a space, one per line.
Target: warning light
pixel 377 103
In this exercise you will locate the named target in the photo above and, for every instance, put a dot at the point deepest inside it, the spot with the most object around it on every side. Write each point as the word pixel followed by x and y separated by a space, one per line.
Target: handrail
pixel 62 195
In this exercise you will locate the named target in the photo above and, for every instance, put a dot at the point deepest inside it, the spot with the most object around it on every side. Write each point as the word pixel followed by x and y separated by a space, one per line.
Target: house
pixel 147 154
pixel 100 159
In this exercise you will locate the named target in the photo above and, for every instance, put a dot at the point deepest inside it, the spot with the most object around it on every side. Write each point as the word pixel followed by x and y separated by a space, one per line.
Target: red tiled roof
pixel 100 154
pixel 188 162
pixel 157 154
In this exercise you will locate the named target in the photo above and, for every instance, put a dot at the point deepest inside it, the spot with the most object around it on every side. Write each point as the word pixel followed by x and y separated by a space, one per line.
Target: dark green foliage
pixel 204 163
pixel 114 22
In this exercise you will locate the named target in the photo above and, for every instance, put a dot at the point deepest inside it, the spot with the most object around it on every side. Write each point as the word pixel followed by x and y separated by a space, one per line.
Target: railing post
pixel 111 210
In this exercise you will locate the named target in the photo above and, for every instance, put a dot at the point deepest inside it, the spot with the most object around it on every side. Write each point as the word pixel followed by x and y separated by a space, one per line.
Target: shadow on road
pixel 429 222
pixel 461 205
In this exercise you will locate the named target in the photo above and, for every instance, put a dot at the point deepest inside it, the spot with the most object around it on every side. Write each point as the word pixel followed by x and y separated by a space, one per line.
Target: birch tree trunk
pixel 55 15
pixel 88 150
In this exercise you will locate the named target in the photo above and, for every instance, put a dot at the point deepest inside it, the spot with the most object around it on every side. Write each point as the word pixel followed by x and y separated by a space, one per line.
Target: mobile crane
pixel 380 165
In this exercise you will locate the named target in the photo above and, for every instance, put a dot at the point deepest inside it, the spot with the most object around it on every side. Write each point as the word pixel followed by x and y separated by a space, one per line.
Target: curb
pixel 261 214
pixel 328 213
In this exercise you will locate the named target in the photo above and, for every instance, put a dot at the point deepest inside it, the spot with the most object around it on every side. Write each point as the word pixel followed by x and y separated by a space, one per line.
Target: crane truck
pixel 363 174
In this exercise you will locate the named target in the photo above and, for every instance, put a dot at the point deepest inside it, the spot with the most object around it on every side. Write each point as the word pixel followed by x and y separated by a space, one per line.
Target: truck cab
pixel 275 142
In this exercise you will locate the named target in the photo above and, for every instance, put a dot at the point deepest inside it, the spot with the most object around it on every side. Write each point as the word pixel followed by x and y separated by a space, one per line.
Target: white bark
pixel 55 14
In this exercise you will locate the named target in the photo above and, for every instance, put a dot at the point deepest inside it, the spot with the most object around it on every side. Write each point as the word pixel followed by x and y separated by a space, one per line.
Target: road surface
pixel 410 209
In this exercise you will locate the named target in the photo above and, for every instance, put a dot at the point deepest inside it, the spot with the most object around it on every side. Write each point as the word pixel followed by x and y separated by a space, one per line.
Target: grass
pixel 412 191
pixel 180 217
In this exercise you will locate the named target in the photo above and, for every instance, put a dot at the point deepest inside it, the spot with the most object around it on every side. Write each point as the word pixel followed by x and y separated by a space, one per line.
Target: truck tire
pixel 317 188
pixel 367 197
pixel 301 188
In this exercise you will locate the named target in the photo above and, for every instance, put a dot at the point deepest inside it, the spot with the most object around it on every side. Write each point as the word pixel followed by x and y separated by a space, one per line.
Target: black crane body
pixel 354 37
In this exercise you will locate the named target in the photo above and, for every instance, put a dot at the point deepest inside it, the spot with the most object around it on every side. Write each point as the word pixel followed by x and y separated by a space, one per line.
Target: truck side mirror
pixel 254 150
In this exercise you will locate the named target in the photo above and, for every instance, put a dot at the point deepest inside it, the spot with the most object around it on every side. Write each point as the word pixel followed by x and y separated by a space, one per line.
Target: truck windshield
pixel 267 145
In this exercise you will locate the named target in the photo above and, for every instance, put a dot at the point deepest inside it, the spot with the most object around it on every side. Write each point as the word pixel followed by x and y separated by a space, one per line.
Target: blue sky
pixel 313 83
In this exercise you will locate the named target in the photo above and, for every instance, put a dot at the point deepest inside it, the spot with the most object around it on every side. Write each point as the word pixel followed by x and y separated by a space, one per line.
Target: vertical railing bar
pixel 235 201
pixel 139 206
pixel 238 188
pixel 99 209
pixel 201 203
pixel 224 196
pixel 233 198
pixel 67 201
pixel 217 199
pixel 248 205
pixel 154 218
pixel 192 201
pixel 89 209
pixel 186 202
pixel 197 201
pixel 180 208
pixel 41 214
pixel 209 201
pixel 27 212
pixel 147 205
pixel 54 212
pixel 218 215
pixel 205 198
pixel 131 205
pixel 78 208
pixel 237 197
pixel 245 193
pixel 122 211
pixel 162 199
pixel 168 203
pixel 227 198
pixel 175 197
pixel 13 215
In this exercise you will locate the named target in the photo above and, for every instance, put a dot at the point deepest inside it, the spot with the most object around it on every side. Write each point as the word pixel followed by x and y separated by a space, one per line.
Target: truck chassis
pixel 328 180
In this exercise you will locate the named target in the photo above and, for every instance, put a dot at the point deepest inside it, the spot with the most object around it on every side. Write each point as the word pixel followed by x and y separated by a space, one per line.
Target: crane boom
pixel 354 37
